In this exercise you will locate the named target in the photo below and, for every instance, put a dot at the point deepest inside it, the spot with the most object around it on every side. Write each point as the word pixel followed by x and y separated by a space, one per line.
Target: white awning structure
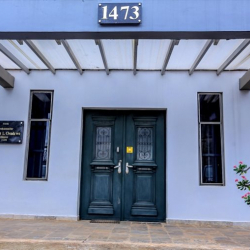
pixel 135 55
pixel 119 55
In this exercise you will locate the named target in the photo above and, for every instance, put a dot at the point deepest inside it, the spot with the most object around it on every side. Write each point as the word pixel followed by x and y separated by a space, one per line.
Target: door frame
pixel 81 156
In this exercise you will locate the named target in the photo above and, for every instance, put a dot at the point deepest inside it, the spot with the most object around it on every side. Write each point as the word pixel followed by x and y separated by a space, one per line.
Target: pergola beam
pixel 13 59
pixel 242 46
pixel 135 47
pixel 200 56
pixel 72 55
pixel 20 42
pixel 40 55
pixel 168 55
pixel 6 79
pixel 216 41
pixel 58 42
pixel 102 51
pixel 244 82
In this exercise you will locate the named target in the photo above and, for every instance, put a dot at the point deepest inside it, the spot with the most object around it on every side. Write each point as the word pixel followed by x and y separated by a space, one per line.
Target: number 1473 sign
pixel 119 13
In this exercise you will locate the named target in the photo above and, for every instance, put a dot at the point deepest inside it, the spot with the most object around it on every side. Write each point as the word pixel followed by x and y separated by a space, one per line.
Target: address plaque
pixel 119 13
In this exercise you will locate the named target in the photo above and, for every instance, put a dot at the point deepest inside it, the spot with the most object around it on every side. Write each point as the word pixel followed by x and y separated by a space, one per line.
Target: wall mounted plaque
pixel 119 13
pixel 11 132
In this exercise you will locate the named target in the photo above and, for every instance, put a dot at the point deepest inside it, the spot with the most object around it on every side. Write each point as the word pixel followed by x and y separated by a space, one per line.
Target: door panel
pixel 145 182
pixel 101 191
pixel 133 189
pixel 101 182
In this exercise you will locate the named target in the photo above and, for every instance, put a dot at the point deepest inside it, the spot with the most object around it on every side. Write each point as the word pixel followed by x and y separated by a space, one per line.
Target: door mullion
pixel 123 164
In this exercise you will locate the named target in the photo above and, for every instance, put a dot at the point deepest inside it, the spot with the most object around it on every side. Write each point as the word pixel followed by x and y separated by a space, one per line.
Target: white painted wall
pixel 176 91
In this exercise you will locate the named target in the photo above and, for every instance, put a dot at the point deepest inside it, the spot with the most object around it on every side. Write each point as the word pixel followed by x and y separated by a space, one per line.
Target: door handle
pixel 127 167
pixel 119 170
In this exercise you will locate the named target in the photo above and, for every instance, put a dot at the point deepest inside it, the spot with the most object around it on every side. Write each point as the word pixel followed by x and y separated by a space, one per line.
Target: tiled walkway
pixel 40 234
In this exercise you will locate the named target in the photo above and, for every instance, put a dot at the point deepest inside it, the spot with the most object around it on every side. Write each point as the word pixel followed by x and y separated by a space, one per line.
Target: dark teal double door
pixel 123 166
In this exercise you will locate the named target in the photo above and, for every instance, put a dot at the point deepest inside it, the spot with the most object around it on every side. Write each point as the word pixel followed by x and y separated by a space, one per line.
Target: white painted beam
pixel 40 55
pixel 72 55
pixel 200 56
pixel 102 51
pixel 168 55
pixel 216 41
pixel 242 46
pixel 6 79
pixel 244 82
pixel 20 42
pixel 13 59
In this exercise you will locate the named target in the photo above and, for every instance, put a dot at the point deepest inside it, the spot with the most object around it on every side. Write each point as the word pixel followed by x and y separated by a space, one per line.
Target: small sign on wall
pixel 11 132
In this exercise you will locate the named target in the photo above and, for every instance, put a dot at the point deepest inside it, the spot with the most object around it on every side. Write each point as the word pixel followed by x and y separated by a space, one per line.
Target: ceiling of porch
pixel 134 55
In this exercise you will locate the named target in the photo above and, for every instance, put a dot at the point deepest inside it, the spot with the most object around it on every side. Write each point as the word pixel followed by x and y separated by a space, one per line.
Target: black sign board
pixel 119 13
pixel 11 131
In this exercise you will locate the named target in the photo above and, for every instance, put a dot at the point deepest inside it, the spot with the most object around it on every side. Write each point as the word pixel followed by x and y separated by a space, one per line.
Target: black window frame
pixel 32 92
pixel 220 122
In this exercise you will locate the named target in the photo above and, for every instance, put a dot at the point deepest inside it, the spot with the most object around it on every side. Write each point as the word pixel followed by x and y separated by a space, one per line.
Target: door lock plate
pixel 130 150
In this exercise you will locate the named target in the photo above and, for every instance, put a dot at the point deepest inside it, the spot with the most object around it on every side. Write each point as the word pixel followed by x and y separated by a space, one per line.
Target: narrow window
pixel 211 138
pixel 39 134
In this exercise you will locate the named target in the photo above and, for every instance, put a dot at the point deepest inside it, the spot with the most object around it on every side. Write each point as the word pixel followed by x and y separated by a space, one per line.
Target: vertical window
pixel 211 138
pixel 39 134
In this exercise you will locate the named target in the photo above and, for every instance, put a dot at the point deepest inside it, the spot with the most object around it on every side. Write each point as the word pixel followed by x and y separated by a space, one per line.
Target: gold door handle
pixel 127 167
pixel 119 166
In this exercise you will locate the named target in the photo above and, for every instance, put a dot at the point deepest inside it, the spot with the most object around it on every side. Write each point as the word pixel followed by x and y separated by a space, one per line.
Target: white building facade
pixel 175 118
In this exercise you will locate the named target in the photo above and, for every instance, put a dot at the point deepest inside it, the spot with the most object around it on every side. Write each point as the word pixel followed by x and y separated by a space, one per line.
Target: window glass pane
pixel 209 108
pixel 37 160
pixel 144 144
pixel 211 153
pixel 103 143
pixel 41 106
